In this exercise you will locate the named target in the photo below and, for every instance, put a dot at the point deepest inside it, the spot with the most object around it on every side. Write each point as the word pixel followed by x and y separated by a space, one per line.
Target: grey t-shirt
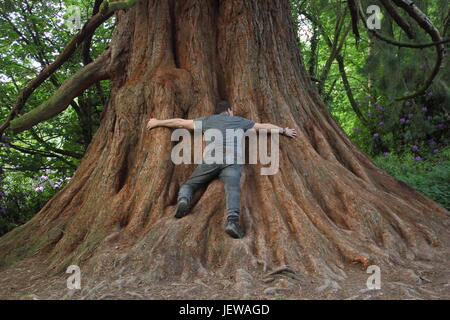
pixel 223 136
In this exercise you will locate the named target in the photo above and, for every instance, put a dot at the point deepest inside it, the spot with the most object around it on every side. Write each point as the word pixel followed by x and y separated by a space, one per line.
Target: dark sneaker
pixel 182 208
pixel 233 230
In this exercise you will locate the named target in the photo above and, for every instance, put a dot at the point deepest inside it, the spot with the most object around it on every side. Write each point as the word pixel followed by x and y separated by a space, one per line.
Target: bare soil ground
pixel 27 280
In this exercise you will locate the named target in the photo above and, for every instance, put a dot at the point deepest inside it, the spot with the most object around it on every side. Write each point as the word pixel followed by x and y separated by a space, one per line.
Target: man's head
pixel 223 107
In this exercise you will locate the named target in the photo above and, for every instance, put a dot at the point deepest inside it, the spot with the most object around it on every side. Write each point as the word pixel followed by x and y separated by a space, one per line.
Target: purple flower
pixel 7 145
pixel 67 178
pixel 415 148
pixel 429 118
pixel 432 142
pixel 403 120
pixel 430 93
pixel 375 135
pixel 418 158
pixel 2 193
pixel 379 108
pixel 355 129
pixel 381 123
pixel 407 120
pixel 440 126
pixel 44 177
pixel 410 115
pixel 407 103
pixel 40 188
pixel 436 151
pixel 385 153
pixel 424 108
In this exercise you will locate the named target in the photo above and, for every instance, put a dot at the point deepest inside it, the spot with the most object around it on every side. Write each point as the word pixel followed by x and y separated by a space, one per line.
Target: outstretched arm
pixel 171 123
pixel 268 126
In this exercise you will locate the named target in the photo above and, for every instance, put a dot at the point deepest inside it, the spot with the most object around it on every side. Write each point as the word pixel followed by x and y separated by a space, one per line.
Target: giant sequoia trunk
pixel 329 206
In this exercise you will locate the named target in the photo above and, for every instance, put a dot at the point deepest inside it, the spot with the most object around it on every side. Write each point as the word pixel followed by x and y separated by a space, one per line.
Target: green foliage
pixel 22 194
pixel 378 73
pixel 32 34
pixel 430 177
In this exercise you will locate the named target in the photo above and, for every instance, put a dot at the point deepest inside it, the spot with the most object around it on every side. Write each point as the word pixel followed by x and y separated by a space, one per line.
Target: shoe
pixel 182 208
pixel 233 230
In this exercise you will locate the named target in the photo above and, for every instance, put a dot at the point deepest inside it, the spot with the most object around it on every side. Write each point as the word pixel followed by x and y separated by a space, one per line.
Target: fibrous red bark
pixel 328 206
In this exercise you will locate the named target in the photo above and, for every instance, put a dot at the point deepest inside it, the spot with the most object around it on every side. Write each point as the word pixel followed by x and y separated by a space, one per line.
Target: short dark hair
pixel 222 106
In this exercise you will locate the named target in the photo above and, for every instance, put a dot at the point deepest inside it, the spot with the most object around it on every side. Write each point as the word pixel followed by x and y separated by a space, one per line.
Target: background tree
pixel 407 138
pixel 38 162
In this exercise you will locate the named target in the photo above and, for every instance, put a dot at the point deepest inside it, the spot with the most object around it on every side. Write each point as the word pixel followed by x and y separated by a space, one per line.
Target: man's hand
pixel 290 132
pixel 268 126
pixel 152 123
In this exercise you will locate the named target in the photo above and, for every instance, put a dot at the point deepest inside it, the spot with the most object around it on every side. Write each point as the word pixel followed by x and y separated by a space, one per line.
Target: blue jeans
pixel 230 174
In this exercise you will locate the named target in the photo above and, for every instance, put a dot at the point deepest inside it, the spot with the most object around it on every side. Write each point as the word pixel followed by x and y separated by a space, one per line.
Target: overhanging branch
pixel 71 88
pixel 338 43
pixel 428 27
pixel 42 153
pixel 407 45
pixel 397 18
pixel 415 13
pixel 398 43
pixel 50 147
pixel 354 17
pixel 340 60
pixel 86 45
pixel 107 9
